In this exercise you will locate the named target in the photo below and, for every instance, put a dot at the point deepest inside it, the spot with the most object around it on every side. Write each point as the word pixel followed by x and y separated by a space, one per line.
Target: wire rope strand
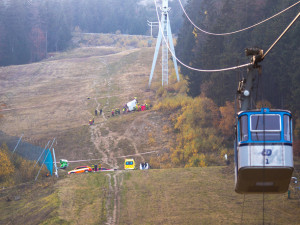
pixel 189 67
pixel 264 164
pixel 298 176
pixel 263 208
pixel 224 69
pixel 280 36
pixel 234 32
pixel 242 217
pixel 257 89
pixel 87 160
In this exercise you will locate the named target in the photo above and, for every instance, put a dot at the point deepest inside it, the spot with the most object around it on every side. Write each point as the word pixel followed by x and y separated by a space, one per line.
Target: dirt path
pixel 115 197
pixel 102 144
pixel 103 147
pixel 60 96
pixel 127 132
pixel 105 91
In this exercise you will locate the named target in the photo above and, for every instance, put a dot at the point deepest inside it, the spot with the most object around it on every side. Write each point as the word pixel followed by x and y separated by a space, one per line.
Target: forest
pixel 203 121
pixel 201 107
pixel 32 28
pixel 279 69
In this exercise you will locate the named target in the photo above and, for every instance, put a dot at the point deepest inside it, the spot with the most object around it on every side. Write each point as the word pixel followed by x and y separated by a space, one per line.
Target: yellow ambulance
pixel 129 164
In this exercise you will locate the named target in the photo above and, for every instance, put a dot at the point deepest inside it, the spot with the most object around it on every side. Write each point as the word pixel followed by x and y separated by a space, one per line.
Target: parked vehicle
pixel 81 169
pixel 129 164
pixel 144 166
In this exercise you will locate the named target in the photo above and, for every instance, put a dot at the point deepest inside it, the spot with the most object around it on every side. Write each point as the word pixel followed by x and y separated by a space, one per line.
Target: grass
pixel 38 203
pixel 166 196
pixel 174 196
pixel 104 131
pixel 78 199
pixel 121 122
pixel 125 146
pixel 83 198
pixel 198 196
pixel 86 52
pixel 123 41
pixel 78 139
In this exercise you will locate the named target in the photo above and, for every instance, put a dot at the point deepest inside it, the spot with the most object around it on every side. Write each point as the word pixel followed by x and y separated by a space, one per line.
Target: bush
pixel 6 166
pixel 15 170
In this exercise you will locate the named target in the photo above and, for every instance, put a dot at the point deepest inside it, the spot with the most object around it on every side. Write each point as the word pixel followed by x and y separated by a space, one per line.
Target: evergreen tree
pixel 212 52
pixel 17 29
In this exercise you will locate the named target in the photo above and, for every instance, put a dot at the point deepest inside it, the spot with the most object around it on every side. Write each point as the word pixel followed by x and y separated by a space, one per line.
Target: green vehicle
pixel 63 163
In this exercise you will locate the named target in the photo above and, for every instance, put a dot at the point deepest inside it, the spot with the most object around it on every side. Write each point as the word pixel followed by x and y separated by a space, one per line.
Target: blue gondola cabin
pixel 263 151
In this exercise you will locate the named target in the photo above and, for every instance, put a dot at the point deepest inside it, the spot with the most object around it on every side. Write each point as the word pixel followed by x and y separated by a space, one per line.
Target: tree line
pixel 279 82
pixel 203 121
pixel 31 28
pixel 201 132
pixel 14 169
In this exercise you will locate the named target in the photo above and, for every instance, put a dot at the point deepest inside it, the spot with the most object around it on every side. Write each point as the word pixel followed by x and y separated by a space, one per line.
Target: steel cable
pixel 189 67
pixel 234 32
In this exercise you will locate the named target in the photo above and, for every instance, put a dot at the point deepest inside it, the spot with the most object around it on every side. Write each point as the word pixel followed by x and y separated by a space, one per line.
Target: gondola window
pixel 244 128
pixel 265 127
pixel 287 128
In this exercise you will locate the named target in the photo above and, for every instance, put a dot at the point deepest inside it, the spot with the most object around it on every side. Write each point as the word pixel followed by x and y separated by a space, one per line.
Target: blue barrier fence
pixel 28 151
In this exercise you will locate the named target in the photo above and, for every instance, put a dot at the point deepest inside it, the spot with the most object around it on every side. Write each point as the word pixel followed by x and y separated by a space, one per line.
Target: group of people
pixel 125 109
pixel 144 166
pixel 92 121
pixel 115 112
pixel 141 107
pixel 96 112
pixel 96 167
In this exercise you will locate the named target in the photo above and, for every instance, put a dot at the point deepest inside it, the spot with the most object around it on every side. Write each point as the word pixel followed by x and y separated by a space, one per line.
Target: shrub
pixel 6 166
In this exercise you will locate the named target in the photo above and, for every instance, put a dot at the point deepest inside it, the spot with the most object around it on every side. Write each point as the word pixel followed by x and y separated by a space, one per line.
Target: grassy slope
pixel 83 198
pixel 198 196
pixel 79 199
pixel 166 196
pixel 29 203
pixel 175 196
pixel 49 99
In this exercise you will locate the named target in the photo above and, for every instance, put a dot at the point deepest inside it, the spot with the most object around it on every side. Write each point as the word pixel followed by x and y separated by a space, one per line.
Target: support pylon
pixel 164 38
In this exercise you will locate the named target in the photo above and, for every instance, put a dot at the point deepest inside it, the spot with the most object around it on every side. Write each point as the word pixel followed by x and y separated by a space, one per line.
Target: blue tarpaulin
pixel 48 161
pixel 28 150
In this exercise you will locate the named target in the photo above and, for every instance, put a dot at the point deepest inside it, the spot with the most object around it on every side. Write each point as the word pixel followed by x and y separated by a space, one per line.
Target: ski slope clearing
pixel 57 98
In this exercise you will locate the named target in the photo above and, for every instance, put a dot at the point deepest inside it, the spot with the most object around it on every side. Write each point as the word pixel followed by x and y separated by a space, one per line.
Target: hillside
pixel 199 196
pixel 32 29
pixel 58 96
pixel 165 196
pixel 278 83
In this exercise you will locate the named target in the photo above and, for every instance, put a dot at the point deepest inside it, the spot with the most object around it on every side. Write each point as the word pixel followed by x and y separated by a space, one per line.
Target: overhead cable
pixel 286 29
pixel 124 156
pixel 189 67
pixel 234 32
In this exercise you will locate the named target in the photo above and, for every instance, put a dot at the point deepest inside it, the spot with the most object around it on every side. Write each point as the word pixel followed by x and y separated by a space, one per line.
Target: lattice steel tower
pixel 164 35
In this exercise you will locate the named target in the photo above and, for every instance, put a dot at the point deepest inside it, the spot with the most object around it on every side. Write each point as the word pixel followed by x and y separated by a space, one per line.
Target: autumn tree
pixel 197 133
pixel 227 120
pixel 263 104
pixel 279 82
pixel 6 166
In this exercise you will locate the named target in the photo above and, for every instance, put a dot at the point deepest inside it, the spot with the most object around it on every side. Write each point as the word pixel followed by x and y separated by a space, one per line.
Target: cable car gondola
pixel 263 151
